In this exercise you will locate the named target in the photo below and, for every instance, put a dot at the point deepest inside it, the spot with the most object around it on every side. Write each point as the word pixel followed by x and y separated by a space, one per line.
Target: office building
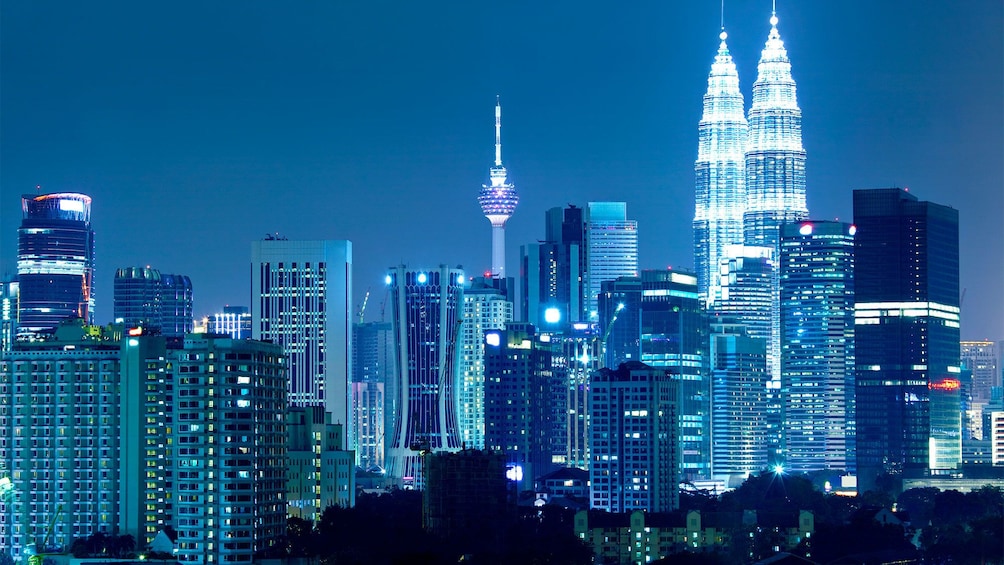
pixel 233 321
pixel 321 472
pixel 230 440
pixel 720 170
pixel 983 359
pixel 374 390
pixel 576 356
pixel 83 437
pixel 634 462
pixel 775 158
pixel 498 199
pixel 740 434
pixel 519 387
pixel 160 303
pixel 485 308
pixel 817 356
pixel 611 242
pixel 906 342
pixel 8 314
pixel 300 297
pixel 55 260
pixel 426 314
pixel 662 324
pixel 552 272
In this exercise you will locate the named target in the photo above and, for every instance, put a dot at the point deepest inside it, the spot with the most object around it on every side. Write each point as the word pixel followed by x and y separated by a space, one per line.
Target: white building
pixel 611 248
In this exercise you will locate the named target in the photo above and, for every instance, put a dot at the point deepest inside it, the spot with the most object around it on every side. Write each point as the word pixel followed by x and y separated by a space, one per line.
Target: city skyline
pixel 276 121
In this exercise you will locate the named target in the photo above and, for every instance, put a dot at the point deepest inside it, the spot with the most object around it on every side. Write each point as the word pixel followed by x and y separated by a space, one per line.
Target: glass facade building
pixel 159 302
pixel 907 354
pixel 552 272
pixel 427 317
pixel 720 191
pixel 55 260
pixel 611 241
pixel 817 355
pixel 374 390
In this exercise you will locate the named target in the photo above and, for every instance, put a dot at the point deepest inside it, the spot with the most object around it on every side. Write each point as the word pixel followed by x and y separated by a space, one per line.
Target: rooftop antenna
pixel 723 15
pixel 498 132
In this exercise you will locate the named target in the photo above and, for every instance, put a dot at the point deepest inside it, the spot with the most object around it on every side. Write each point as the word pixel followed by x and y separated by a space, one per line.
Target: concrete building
pixel 635 450
pixel 321 472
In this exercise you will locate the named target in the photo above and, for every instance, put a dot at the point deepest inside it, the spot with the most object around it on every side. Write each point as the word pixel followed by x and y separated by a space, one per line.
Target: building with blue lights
pixel 906 336
pixel 817 354
pixel 161 303
pixel 611 242
pixel 427 317
pixel 498 199
pixel 55 260
pixel 234 321
pixel 552 272
pixel 374 390
pixel 720 169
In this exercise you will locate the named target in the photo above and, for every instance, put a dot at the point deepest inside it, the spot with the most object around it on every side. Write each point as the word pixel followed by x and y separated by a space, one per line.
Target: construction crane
pixel 362 309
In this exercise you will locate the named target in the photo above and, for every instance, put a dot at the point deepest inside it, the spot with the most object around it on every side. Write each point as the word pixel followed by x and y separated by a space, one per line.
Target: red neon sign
pixel 947 384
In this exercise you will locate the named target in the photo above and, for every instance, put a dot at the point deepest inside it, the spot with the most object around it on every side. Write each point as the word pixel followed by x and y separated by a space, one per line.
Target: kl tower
pixel 498 200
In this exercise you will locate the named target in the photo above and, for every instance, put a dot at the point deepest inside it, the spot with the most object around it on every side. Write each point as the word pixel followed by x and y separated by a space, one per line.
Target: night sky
pixel 198 127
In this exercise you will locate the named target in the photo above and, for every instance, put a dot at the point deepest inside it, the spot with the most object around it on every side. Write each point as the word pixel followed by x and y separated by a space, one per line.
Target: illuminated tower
pixel 55 260
pixel 498 200
pixel 775 159
pixel 720 191
pixel 427 319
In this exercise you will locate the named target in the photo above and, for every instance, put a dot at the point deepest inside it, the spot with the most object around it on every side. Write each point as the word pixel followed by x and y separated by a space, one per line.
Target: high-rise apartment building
pixel 552 271
pixel 518 400
pixel 230 448
pixel 775 158
pixel 983 359
pixel 611 241
pixel 83 437
pixel 55 260
pixel 817 357
pixel 720 170
pixel 634 461
pixel 300 297
pixel 374 390
pixel 8 314
pixel 906 314
pixel 321 472
pixel 498 199
pixel 485 308
pixel 576 356
pixel 740 421
pixel 427 316
pixel 161 303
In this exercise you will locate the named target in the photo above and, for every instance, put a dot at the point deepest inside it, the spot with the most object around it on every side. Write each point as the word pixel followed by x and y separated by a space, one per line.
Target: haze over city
pixel 200 128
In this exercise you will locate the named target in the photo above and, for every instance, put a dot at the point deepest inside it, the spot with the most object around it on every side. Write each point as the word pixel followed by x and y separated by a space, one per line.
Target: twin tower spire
pixel 750 171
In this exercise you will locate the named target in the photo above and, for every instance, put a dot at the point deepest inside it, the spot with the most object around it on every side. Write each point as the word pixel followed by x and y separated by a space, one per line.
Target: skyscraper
pixel 611 241
pixel 485 308
pixel 55 260
pixel 518 398
pixel 906 342
pixel 983 359
pixel 300 296
pixel 552 272
pixel 817 356
pixel 427 318
pixel 634 459
pixel 498 199
pixel 720 170
pixel 775 159
pixel 8 314
pixel 161 303
pixel 374 391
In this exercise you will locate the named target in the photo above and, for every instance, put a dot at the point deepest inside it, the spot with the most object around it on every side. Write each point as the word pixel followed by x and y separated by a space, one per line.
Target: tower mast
pixel 498 199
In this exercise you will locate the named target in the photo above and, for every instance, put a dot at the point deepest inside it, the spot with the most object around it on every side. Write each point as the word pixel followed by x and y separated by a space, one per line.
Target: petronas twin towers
pixel 750 172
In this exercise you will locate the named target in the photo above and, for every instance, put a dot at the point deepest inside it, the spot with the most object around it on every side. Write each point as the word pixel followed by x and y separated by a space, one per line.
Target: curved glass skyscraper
pixel 775 159
pixel 55 260
pixel 720 191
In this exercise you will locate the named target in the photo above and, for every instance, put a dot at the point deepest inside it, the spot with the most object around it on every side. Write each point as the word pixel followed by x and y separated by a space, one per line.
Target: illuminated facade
pixel 634 463
pixel 427 306
pixel 92 438
pixel 983 359
pixel 320 472
pixel 300 297
pixel 575 357
pixel 739 417
pixel 552 271
pixel 230 443
pixel 234 321
pixel 611 241
pixel 720 170
pixel 55 260
pixel 775 158
pixel 160 302
pixel 906 325
pixel 518 400
pixel 485 308
pixel 8 314
pixel 498 199
pixel 817 357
